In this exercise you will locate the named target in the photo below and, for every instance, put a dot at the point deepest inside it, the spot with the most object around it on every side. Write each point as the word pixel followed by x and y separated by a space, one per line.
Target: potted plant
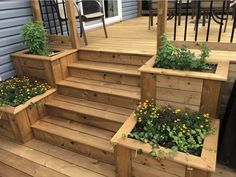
pixel 166 141
pixel 177 77
pixel 21 105
pixel 39 61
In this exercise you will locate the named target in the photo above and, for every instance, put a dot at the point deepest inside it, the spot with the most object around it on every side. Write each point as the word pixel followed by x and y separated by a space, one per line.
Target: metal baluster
pixel 53 16
pixel 221 21
pixel 49 25
pixel 186 21
pixel 209 21
pixel 176 10
pixel 64 9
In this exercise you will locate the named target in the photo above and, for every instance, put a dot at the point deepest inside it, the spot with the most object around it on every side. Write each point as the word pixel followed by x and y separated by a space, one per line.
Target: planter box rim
pixel 221 73
pixel 19 108
pixel 206 162
pixel 61 53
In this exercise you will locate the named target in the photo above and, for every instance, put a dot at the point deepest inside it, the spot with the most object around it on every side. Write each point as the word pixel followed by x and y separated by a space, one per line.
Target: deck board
pixel 37 158
pixel 133 36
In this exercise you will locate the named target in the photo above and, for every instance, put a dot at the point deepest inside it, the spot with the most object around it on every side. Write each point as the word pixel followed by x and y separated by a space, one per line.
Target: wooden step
pixel 113 57
pixel 75 136
pixel 109 72
pixel 88 112
pixel 40 159
pixel 104 92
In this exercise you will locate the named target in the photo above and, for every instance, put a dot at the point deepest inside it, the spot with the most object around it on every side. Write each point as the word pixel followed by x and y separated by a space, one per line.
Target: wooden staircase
pixel 99 94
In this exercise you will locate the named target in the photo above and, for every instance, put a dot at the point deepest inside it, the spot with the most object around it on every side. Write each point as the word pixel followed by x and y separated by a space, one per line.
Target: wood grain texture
pixel 123 161
pixel 211 98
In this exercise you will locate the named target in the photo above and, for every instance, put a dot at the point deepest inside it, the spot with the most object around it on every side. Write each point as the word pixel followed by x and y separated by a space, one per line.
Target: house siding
pixel 13 15
pixel 129 9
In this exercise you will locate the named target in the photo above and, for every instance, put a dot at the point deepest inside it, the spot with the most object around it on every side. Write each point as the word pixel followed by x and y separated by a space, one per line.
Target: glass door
pixel 112 10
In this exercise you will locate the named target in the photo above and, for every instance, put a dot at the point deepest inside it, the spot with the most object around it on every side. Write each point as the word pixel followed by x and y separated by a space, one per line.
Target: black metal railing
pixel 54 16
pixel 205 13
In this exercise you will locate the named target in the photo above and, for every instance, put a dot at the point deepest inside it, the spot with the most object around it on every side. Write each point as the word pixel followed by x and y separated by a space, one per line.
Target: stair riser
pixel 98 97
pixel 107 77
pixel 107 57
pixel 86 119
pixel 69 144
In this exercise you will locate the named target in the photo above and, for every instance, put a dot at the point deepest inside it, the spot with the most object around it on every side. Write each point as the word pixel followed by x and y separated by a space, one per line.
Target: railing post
pixel 140 8
pixel 36 10
pixel 161 19
pixel 72 24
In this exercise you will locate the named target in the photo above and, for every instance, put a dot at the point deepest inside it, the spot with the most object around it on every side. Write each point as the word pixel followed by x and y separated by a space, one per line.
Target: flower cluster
pixel 183 130
pixel 15 91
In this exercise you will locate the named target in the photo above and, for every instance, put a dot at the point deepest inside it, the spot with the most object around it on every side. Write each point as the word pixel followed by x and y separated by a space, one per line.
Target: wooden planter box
pixel 15 122
pixel 198 91
pixel 129 163
pixel 51 69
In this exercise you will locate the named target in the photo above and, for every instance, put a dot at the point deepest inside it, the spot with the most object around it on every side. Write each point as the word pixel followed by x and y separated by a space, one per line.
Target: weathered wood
pixel 123 161
pixel 211 98
pixel 161 20
pixel 36 10
pixel 148 86
pixel 72 24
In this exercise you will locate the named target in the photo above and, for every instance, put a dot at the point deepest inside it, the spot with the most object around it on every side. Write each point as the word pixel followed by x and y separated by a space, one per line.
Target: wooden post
pixel 72 24
pixel 36 10
pixel 161 20
pixel 211 97
pixel 140 8
pixel 123 161
pixel 148 86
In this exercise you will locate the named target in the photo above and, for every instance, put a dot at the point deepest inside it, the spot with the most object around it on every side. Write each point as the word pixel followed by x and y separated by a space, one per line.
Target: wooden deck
pixel 40 159
pixel 133 36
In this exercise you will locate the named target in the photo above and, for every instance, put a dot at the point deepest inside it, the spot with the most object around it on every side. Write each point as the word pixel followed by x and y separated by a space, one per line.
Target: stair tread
pixel 85 110
pixel 80 127
pixel 95 105
pixel 81 161
pixel 107 67
pixel 75 136
pixel 102 87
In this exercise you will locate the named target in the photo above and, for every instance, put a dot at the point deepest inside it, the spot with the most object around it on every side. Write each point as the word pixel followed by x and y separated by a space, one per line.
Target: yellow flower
pixel 201 126
pixel 177 110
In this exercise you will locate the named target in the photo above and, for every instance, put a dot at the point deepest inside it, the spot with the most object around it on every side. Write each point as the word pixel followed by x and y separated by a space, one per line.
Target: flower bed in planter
pixel 198 91
pixel 15 122
pixel 133 157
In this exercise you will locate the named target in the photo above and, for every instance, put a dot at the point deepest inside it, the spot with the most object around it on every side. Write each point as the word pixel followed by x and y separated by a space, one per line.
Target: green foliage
pixel 179 130
pixel 35 37
pixel 15 91
pixel 171 57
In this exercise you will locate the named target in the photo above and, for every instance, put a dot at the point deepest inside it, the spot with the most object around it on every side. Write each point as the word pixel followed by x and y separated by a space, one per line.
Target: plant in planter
pixel 165 141
pixel 21 105
pixel 171 57
pixel 39 61
pixel 35 37
pixel 176 77
pixel 179 130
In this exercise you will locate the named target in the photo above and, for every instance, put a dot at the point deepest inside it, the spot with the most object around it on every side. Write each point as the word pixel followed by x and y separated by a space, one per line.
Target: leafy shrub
pixel 171 57
pixel 180 130
pixel 15 91
pixel 35 37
